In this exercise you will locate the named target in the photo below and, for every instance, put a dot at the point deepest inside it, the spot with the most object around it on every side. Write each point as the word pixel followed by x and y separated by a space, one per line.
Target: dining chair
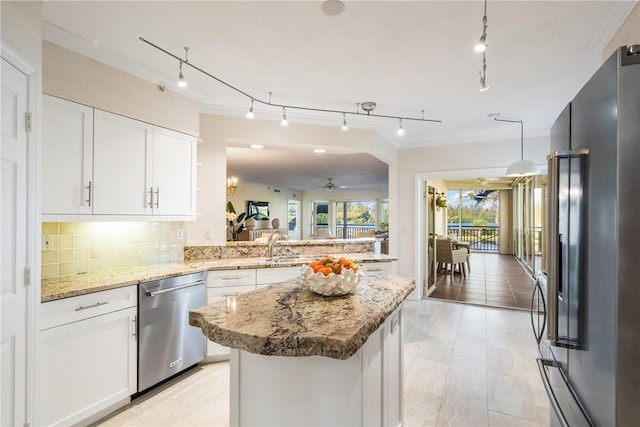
pixel 445 254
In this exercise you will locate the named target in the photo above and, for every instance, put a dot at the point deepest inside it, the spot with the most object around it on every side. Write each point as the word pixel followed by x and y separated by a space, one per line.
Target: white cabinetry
pixel 269 276
pixel 142 169
pixel 174 172
pixel 99 163
pixel 121 169
pixel 67 156
pixel 224 285
pixel 88 356
pixel 376 269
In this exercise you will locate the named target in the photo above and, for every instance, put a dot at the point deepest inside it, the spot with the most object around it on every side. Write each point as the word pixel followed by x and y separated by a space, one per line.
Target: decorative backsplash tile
pixel 83 247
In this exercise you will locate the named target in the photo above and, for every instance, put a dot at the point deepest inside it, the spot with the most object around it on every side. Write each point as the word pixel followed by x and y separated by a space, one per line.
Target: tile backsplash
pixel 70 248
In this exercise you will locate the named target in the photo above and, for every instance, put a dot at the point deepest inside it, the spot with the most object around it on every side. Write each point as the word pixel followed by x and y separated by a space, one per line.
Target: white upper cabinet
pixel 67 156
pixel 99 163
pixel 174 172
pixel 121 168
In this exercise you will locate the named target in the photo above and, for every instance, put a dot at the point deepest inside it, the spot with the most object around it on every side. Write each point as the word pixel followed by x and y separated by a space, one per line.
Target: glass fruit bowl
pixel 332 277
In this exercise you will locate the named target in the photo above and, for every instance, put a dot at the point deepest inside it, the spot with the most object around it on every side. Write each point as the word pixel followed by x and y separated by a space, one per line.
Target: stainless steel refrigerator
pixel 590 362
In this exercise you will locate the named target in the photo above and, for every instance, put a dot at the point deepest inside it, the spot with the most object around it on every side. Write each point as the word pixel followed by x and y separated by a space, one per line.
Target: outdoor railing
pixel 351 231
pixel 480 238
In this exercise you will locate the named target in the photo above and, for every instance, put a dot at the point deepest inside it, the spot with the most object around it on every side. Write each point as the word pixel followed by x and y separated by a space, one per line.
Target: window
pixel 354 216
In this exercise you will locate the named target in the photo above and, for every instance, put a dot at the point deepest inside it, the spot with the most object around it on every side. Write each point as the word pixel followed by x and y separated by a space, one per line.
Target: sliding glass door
pixel 528 220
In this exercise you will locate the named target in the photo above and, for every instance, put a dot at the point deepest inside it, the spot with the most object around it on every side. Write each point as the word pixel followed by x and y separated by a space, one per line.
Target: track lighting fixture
pixel 520 167
pixel 362 109
pixel 181 81
pixel 344 122
pixel 481 46
pixel 250 112
pixel 400 130
pixel 483 74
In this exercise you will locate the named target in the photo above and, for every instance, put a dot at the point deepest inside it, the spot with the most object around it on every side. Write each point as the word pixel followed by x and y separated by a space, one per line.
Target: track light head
pixel 481 46
pixel 250 112
pixel 181 81
pixel 483 85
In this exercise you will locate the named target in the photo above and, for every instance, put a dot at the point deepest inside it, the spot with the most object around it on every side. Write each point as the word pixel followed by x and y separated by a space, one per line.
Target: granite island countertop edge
pixel 290 320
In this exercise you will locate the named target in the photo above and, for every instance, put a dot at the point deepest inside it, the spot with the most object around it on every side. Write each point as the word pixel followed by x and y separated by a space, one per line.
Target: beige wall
pixel 75 77
pixel 628 33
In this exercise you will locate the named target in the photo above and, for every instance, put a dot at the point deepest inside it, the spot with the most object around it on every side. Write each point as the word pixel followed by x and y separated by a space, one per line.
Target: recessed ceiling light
pixel 257 146
pixel 319 150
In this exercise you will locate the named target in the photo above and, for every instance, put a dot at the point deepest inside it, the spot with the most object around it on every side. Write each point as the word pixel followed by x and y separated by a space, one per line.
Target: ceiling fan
pixel 330 186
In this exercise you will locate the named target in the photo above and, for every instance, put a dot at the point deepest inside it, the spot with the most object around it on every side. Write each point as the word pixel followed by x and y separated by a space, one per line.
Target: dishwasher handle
pixel 165 291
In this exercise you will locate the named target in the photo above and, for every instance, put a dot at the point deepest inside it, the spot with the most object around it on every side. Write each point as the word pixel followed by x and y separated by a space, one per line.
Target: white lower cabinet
pixel 376 269
pixel 269 276
pixel 88 356
pixel 223 285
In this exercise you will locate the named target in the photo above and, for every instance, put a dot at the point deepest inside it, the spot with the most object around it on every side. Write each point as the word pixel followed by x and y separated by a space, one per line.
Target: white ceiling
pixel 405 56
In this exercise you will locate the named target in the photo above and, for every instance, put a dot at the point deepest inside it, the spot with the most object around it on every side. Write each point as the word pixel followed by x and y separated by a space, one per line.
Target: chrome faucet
pixel 273 238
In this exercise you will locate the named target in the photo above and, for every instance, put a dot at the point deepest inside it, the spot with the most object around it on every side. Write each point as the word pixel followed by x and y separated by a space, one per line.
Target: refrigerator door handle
pixel 547 386
pixel 538 289
pixel 553 247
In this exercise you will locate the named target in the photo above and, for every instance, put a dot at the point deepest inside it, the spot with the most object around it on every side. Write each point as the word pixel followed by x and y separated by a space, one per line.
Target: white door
pixel 122 150
pixel 174 172
pixel 13 252
pixel 294 219
pixel 67 156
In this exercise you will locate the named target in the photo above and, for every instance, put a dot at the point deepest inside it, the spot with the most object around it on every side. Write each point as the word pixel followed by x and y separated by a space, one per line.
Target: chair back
pixel 444 250
pixel 360 234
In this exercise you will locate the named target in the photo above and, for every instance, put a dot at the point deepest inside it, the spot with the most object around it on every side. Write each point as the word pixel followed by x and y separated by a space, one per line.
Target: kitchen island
pixel 299 358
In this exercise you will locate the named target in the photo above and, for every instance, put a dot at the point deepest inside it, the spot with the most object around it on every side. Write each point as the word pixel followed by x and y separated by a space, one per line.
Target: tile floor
pixel 465 365
pixel 494 280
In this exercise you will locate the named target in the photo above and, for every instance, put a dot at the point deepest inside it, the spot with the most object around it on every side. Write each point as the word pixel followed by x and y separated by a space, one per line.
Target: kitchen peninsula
pixel 299 358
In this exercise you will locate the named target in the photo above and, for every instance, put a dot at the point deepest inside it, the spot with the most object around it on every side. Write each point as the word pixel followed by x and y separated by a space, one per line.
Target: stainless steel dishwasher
pixel 167 344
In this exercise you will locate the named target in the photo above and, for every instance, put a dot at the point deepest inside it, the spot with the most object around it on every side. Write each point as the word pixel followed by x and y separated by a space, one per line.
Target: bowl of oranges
pixel 332 277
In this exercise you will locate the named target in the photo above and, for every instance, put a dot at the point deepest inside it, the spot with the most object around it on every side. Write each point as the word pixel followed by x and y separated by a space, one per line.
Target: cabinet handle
pixel 135 335
pixel 98 304
pixel 88 187
pixel 151 197
pixel 157 197
pixel 231 278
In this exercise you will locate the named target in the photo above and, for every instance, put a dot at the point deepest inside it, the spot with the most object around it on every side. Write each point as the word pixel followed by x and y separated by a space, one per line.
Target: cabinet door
pixel 67 156
pixel 174 173
pixel 121 173
pixel 216 351
pixel 86 366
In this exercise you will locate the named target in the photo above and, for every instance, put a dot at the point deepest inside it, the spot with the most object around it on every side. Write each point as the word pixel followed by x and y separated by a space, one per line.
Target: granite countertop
pixel 80 284
pixel 291 320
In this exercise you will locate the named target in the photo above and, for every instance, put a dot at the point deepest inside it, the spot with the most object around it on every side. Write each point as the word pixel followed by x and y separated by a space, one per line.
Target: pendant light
pixel 521 167
pixel 284 121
